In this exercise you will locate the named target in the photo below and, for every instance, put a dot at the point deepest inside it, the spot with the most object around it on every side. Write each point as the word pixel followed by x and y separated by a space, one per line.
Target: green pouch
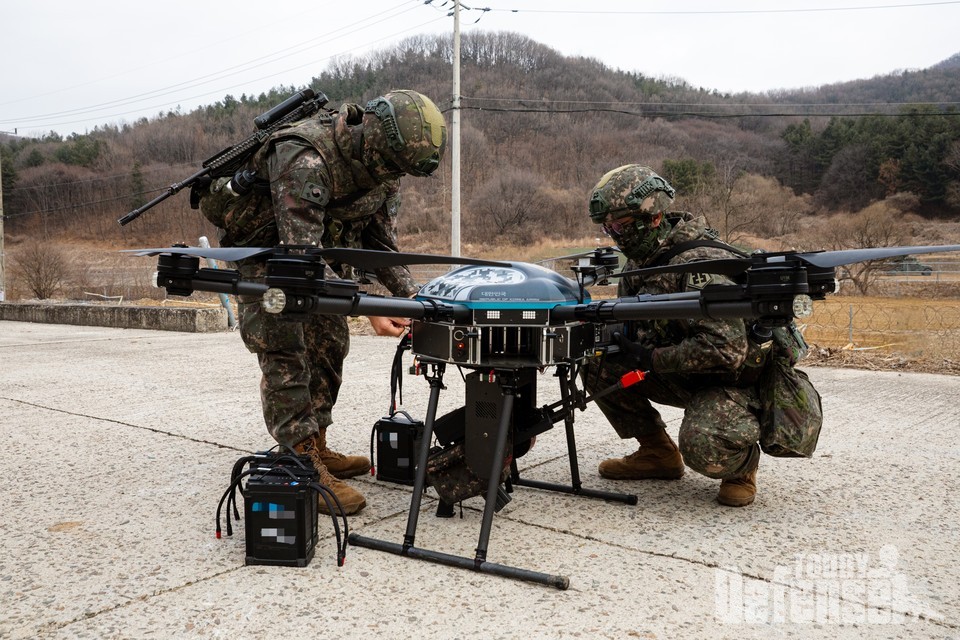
pixel 791 412
pixel 244 218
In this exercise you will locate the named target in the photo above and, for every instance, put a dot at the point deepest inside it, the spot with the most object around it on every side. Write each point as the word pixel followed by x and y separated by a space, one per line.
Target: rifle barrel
pixel 171 190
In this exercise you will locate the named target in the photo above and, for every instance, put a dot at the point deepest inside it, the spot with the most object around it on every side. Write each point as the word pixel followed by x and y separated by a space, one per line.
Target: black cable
pixel 231 488
pixel 237 470
pixel 326 493
pixel 396 373
pixel 373 463
pixel 908 5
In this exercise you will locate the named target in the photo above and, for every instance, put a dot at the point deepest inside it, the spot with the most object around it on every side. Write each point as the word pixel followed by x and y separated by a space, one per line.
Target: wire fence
pixel 918 327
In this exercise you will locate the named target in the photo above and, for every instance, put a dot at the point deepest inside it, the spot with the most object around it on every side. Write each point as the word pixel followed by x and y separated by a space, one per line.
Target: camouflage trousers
pixel 720 427
pixel 301 362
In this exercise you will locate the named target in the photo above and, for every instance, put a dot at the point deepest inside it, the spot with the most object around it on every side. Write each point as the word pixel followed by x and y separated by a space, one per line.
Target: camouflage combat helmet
pixel 625 202
pixel 630 189
pixel 404 132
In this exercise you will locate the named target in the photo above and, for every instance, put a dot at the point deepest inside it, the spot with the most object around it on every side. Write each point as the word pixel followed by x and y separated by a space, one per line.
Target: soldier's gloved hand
pixel 198 189
pixel 642 355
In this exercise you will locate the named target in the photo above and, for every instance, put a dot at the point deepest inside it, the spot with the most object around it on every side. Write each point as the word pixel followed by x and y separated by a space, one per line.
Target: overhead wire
pixel 298 48
pixel 674 12
pixel 216 75
pixel 222 74
pixel 320 40
pixel 716 104
pixel 260 27
pixel 446 109
pixel 698 114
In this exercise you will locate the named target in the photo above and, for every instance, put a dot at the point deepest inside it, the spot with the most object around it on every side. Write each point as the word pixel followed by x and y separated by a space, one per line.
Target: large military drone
pixel 505 322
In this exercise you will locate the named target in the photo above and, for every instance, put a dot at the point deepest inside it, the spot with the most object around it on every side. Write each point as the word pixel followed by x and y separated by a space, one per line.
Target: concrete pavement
pixel 118 443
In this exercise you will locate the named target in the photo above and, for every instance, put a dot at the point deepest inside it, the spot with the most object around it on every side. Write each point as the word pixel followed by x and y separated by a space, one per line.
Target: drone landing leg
pixel 479 562
pixel 576 486
pixel 503 429
pixel 420 481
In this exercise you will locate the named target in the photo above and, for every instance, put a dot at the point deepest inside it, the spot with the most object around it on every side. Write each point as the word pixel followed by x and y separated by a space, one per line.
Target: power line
pixel 202 80
pixel 666 114
pixel 216 75
pixel 116 176
pixel 719 104
pixel 497 110
pixel 718 11
pixel 77 205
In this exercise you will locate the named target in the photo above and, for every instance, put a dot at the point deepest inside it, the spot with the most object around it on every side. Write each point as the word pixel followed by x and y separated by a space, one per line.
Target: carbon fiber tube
pixel 560 582
pixel 364 305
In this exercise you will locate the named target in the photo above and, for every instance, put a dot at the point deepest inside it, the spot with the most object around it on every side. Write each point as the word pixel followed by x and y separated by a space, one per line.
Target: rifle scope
pixel 266 119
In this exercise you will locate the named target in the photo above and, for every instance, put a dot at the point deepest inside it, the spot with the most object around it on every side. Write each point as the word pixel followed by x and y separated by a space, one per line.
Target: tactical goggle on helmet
pixel 414 130
pixel 630 190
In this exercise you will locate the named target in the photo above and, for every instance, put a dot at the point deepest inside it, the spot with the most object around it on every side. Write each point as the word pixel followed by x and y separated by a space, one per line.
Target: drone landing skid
pixel 510 386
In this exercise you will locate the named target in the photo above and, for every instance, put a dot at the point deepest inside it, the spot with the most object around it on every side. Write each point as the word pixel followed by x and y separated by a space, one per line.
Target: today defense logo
pixel 822 588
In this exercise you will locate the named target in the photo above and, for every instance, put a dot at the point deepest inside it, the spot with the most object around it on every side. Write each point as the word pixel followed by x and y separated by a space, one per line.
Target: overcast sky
pixel 70 65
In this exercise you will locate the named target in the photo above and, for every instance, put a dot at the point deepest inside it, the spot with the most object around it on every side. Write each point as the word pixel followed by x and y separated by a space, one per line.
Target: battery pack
pixel 398 439
pixel 280 510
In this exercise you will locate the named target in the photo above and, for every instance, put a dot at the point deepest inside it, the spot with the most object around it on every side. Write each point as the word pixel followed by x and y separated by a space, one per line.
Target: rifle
pixel 225 163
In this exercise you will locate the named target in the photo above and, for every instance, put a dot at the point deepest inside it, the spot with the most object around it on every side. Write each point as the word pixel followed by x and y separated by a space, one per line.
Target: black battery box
pixel 397 438
pixel 280 508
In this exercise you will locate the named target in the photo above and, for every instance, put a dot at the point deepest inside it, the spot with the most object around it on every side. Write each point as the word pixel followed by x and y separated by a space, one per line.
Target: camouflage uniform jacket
pixel 702 351
pixel 319 195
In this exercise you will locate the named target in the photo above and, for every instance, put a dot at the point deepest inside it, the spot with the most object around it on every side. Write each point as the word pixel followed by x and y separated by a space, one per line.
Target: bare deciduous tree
pixel 508 206
pixel 41 267
pixel 878 225
pixel 728 202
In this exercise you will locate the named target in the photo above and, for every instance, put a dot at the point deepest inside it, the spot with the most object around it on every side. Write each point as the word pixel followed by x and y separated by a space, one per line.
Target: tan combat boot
pixel 339 465
pixel 351 499
pixel 739 491
pixel 657 458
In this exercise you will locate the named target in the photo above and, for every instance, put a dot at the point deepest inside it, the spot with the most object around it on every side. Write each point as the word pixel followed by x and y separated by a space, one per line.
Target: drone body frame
pixel 504 322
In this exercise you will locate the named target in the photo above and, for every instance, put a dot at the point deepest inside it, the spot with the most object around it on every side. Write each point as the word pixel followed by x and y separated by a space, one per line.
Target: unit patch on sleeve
pixel 699 280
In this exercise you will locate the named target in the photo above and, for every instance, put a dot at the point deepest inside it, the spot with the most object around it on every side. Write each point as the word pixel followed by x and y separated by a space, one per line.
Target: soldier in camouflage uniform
pixel 707 367
pixel 330 180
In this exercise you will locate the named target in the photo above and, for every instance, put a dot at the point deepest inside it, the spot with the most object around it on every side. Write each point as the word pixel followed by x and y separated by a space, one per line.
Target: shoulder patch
pixel 699 280
pixel 316 193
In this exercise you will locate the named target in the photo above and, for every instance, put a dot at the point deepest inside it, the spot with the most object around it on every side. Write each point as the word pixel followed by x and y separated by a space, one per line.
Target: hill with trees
pixel 538 129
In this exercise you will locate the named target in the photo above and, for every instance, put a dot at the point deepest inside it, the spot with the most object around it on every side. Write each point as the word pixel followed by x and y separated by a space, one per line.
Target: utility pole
pixel 3 274
pixel 455 138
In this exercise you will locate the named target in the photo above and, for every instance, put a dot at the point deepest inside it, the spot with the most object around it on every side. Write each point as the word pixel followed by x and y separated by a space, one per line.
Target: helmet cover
pixel 407 131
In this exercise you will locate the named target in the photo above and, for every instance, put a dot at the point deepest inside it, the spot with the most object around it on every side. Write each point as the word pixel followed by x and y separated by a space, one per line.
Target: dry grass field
pixel 908 333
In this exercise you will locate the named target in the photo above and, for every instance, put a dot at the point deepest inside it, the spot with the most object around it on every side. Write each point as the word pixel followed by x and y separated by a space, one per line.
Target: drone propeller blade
pixel 724 267
pixel 366 259
pixel 228 254
pixel 827 259
pixel 370 259
pixel 820 259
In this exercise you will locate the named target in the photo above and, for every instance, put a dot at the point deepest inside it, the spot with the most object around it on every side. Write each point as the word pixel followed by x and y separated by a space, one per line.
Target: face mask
pixel 381 169
pixel 636 238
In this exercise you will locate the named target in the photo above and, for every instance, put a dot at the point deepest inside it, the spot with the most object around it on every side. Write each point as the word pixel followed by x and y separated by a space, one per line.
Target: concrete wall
pixel 203 320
